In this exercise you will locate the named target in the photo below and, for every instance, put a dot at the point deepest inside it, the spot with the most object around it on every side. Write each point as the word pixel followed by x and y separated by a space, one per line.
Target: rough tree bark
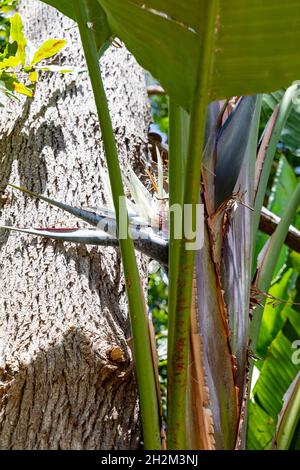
pixel 66 372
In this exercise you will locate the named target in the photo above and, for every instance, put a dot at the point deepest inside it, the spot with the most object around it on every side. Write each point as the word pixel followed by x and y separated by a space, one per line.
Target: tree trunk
pixel 66 371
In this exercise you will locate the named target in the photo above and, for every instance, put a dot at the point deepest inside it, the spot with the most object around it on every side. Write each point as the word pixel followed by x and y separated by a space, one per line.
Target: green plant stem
pixel 137 308
pixel 177 157
pixel 179 353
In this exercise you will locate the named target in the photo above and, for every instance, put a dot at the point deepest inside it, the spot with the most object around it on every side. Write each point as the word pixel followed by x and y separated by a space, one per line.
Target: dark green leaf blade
pixel 250 56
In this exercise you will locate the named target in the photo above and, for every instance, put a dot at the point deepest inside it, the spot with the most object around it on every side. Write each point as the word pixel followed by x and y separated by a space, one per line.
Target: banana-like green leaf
pixel 285 182
pixel 98 24
pixel 260 427
pixel 278 372
pixel 250 55
pixel 280 367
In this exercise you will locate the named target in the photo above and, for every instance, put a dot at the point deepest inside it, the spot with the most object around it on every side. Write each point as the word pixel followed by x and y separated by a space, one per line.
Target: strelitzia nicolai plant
pixel 150 242
pixel 201 53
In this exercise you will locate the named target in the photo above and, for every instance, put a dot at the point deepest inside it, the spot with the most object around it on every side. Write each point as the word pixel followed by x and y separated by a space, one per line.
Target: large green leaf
pixel 285 182
pixel 277 374
pixel 260 429
pixel 255 43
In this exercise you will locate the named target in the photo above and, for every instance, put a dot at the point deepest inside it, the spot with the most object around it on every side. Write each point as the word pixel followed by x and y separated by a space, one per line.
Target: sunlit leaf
pixel 16 34
pixel 261 428
pixel 48 49
pixel 33 76
pixel 10 62
pixel 22 89
pixel 277 373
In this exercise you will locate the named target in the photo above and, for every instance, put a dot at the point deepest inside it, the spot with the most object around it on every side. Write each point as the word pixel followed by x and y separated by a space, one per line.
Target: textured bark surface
pixel 66 372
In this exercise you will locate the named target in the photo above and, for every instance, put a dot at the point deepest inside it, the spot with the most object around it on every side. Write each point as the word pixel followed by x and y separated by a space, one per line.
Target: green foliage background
pixel 281 318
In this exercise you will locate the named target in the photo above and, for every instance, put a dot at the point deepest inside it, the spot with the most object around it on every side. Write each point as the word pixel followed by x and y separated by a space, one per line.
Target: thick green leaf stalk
pixel 178 129
pixel 137 308
pixel 178 360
